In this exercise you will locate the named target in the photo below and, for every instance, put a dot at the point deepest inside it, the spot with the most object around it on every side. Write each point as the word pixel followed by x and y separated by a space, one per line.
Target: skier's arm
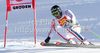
pixel 71 15
pixel 50 34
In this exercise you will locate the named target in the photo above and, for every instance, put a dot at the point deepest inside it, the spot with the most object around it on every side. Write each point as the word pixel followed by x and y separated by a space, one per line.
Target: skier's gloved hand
pixel 47 39
pixel 68 22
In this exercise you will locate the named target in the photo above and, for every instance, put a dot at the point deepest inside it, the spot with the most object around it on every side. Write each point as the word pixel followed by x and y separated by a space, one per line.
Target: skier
pixel 63 20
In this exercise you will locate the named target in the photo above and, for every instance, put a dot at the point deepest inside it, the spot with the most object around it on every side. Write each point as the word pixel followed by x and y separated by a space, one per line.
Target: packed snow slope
pixel 20 38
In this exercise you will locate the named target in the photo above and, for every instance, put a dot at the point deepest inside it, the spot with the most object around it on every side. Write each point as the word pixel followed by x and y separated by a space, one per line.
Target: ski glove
pixel 68 23
pixel 47 39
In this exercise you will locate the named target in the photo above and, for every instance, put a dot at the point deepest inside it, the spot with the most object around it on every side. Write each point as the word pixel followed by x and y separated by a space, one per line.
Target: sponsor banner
pixel 20 4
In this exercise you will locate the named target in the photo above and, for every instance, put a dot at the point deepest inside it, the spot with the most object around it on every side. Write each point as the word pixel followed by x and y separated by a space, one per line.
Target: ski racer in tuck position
pixel 63 20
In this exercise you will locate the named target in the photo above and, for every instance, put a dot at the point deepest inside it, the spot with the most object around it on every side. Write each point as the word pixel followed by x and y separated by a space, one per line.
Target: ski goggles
pixel 56 13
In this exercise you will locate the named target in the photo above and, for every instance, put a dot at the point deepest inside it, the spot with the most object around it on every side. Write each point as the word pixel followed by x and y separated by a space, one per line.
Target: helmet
pixel 55 8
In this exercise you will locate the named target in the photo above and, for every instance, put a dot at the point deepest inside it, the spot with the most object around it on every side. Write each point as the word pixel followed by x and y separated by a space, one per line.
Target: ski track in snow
pixel 27 47
pixel 87 14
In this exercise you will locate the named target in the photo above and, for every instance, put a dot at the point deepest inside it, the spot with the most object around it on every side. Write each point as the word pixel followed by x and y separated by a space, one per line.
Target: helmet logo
pixel 53 9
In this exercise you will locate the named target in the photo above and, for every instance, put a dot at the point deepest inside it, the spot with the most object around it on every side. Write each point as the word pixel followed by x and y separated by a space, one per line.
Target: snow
pixel 26 47
pixel 20 38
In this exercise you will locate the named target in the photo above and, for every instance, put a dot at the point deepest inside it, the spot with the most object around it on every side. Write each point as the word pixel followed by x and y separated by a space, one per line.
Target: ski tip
pixel 42 43
pixel 57 43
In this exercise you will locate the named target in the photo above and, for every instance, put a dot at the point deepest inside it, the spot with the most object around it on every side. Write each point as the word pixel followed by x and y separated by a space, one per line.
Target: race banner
pixel 20 4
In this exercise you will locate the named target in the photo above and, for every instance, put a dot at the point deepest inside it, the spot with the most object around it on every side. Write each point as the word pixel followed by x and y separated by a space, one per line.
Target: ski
pixel 59 44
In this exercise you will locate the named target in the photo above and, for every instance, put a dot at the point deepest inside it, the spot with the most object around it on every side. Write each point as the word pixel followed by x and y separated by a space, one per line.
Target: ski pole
pixel 86 29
